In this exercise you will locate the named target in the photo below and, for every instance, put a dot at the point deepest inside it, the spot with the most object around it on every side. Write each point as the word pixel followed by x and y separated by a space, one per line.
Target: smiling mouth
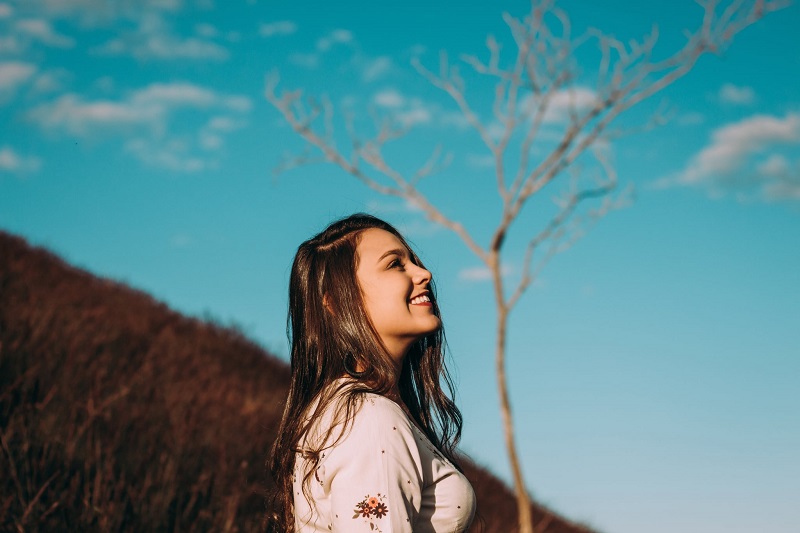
pixel 422 299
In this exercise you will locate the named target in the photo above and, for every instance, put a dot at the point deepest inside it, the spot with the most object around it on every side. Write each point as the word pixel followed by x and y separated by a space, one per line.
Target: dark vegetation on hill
pixel 118 414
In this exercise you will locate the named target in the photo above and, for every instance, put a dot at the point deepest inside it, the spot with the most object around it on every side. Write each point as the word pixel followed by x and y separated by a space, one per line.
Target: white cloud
pixel 41 30
pixel 242 104
pixel 415 111
pixel 105 84
pixel 731 94
pixel 154 39
pixel 14 73
pixel 11 161
pixel 389 98
pixel 408 112
pixel 89 12
pixel 146 118
pixel 335 37
pixel 744 156
pixel 376 68
pixel 225 123
pixel 70 113
pixel 304 60
pixel 174 155
pixel 562 103
pixel 495 130
pixel 10 44
pixel 732 145
pixel 163 47
pixel 775 166
pixel 280 27
pixel 211 136
pixel 480 273
pixel 174 94
pixel 51 81
pixel 453 118
pixel 207 30
pixel 149 106
pixel 210 141
pixel 413 116
pixel 386 207
pixel 481 161
pixel 691 119
pixel 5 11
pixel 783 190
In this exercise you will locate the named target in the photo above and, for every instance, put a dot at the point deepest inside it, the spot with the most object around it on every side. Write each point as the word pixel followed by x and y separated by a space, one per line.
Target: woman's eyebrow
pixel 395 251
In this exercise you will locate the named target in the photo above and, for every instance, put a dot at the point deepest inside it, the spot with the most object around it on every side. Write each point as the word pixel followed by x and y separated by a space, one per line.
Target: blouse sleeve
pixel 374 473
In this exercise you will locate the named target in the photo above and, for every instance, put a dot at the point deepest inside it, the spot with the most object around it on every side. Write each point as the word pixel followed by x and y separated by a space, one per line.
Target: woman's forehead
pixel 375 242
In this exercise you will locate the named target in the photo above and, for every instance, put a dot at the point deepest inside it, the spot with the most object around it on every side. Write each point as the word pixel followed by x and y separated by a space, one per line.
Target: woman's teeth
pixel 420 299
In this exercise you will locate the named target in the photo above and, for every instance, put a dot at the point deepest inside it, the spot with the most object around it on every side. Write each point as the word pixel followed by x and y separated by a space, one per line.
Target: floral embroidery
pixel 380 510
pixel 369 508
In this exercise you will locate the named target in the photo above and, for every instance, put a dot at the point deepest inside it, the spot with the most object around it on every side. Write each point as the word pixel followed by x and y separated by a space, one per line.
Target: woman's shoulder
pixel 378 411
pixel 360 413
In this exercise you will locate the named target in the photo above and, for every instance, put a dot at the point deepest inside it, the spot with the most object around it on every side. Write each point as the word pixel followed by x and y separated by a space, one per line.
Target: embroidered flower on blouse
pixel 380 510
pixel 369 508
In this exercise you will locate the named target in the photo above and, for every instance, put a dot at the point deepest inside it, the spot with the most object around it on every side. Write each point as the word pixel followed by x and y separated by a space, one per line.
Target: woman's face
pixel 395 291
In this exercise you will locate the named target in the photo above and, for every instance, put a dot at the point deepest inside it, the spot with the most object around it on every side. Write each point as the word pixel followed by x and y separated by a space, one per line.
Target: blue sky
pixel 654 365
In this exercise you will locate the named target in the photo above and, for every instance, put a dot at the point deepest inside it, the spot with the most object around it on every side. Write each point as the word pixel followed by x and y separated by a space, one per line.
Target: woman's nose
pixel 421 275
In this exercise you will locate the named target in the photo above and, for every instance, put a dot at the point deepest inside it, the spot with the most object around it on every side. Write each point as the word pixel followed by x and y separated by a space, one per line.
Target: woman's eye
pixel 396 264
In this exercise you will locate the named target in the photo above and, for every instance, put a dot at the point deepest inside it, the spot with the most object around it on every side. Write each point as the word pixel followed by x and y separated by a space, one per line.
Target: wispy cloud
pixel 732 94
pixel 97 13
pixel 15 73
pixel 145 118
pixel 481 273
pixel 42 30
pixel 385 207
pixel 746 155
pixel 416 113
pixel 153 39
pixel 175 155
pixel 562 103
pixel 375 68
pixel 5 10
pixel 390 98
pixel 51 81
pixel 413 111
pixel 304 60
pixel 79 117
pixel 10 44
pixel 11 161
pixel 482 161
pixel 206 30
pixel 691 119
pixel 280 27
pixel 150 105
pixel 335 37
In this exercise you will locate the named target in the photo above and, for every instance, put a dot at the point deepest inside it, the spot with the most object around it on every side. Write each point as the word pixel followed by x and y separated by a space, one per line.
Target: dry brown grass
pixel 118 414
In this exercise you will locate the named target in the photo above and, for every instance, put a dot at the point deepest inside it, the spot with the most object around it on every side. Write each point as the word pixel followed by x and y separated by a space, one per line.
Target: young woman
pixel 367 439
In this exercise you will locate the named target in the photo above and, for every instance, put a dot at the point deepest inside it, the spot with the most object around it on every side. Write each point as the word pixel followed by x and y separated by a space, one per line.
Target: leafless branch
pixel 369 151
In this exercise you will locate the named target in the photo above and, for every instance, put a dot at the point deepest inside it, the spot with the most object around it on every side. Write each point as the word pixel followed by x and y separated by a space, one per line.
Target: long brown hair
pixel 331 337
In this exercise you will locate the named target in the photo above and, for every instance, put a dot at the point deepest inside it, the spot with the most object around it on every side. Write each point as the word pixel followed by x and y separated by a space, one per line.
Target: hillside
pixel 119 414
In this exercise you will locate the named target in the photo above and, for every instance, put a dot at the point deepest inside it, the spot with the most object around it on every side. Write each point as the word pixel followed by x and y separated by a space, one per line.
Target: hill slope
pixel 119 414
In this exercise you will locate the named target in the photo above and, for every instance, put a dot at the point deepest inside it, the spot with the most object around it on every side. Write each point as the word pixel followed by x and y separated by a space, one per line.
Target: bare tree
pixel 537 80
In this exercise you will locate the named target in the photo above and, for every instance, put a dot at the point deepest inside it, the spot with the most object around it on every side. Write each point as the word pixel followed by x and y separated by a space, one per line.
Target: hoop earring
pixel 348 367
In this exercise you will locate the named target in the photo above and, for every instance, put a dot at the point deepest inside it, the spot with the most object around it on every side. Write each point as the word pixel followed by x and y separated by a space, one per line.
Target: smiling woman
pixel 368 435
pixel 395 292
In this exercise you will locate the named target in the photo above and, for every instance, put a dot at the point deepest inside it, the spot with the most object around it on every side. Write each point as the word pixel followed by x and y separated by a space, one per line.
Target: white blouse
pixel 383 476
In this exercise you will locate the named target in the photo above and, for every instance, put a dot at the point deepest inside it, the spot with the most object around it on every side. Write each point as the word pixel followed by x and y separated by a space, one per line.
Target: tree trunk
pixel 523 501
